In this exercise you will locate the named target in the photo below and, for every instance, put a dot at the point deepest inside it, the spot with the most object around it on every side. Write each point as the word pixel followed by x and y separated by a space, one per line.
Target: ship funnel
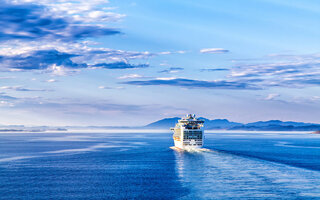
pixel 191 116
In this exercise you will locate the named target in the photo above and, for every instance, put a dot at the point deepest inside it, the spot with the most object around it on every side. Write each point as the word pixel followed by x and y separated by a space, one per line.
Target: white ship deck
pixel 188 133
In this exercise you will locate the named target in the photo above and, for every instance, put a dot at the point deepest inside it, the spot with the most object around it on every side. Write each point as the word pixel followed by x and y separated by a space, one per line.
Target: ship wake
pixel 191 149
pixel 211 174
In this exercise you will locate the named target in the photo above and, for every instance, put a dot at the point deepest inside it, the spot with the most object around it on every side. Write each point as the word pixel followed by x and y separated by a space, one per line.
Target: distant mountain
pixel 224 124
pixel 278 128
pixel 278 123
pixel 220 124
pixel 163 123
pixel 210 124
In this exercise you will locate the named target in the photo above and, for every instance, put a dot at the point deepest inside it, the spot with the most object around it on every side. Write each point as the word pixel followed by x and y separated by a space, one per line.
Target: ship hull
pixel 180 144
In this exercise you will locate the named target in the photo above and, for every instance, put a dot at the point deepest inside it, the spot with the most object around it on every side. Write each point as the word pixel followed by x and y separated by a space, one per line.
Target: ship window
pixel 193 135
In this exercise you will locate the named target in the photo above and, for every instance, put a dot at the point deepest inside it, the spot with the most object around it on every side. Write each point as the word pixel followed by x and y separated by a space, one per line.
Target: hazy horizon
pixel 148 123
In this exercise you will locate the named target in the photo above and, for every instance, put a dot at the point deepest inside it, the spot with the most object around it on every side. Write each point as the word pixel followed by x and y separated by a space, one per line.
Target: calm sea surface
pixel 141 165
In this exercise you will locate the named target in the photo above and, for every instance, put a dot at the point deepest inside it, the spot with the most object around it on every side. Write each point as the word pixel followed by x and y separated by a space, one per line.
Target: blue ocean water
pixel 140 165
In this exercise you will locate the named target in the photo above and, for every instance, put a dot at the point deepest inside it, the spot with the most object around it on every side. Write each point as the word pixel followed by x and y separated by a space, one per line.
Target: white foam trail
pixel 139 143
pixel 192 150
pixel 88 149
pixel 256 132
pixel 72 138
pixel 214 175
pixel 106 131
pixel 287 144
pixel 80 150
pixel 16 158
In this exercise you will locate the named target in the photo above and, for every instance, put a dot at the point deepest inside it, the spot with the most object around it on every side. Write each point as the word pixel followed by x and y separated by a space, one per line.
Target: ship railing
pixel 195 127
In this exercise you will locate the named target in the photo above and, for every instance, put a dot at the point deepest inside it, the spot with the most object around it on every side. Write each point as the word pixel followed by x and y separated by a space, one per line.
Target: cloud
pixel 60 70
pixel 39 60
pixel 75 111
pixel 7 77
pixel 214 50
pixel 268 69
pixel 22 89
pixel 129 76
pixel 315 98
pixel 272 96
pixel 99 15
pixel 51 36
pixel 51 80
pixel 72 53
pixel 80 10
pixel 109 88
pixel 3 96
pixel 98 55
pixel 6 103
pixel 120 65
pixel 6 100
pixel 171 52
pixel 165 53
pixel 172 70
pixel 76 106
pixel 34 22
pixel 190 83
pixel 55 62
pixel 214 69
pixel 293 74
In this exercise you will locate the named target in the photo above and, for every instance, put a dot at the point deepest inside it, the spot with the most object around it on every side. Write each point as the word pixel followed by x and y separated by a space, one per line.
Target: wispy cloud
pixel 171 52
pixel 191 83
pixel 120 65
pixel 51 80
pixel 283 74
pixel 267 69
pixel 172 70
pixel 80 10
pixel 7 77
pixel 213 69
pixel 214 50
pixel 69 111
pixel 22 89
pixel 272 96
pixel 53 60
pixel 109 87
pixel 131 76
pixel 39 60
pixel 79 107
pixel 4 96
pixel 6 100
pixel 315 98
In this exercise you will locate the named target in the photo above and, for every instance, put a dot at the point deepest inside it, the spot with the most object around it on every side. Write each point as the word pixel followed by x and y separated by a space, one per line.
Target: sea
pixel 138 164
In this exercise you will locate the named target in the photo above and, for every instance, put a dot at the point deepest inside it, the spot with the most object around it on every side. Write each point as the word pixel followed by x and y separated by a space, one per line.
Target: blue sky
pixel 131 62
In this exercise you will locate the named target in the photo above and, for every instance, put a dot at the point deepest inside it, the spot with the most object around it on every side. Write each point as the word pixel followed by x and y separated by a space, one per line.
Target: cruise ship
pixel 188 133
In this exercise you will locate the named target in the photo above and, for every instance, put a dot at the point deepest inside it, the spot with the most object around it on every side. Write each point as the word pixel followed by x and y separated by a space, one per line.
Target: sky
pixel 131 62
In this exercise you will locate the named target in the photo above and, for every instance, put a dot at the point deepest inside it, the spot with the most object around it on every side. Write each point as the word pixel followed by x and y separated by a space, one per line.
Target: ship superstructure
pixel 188 133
